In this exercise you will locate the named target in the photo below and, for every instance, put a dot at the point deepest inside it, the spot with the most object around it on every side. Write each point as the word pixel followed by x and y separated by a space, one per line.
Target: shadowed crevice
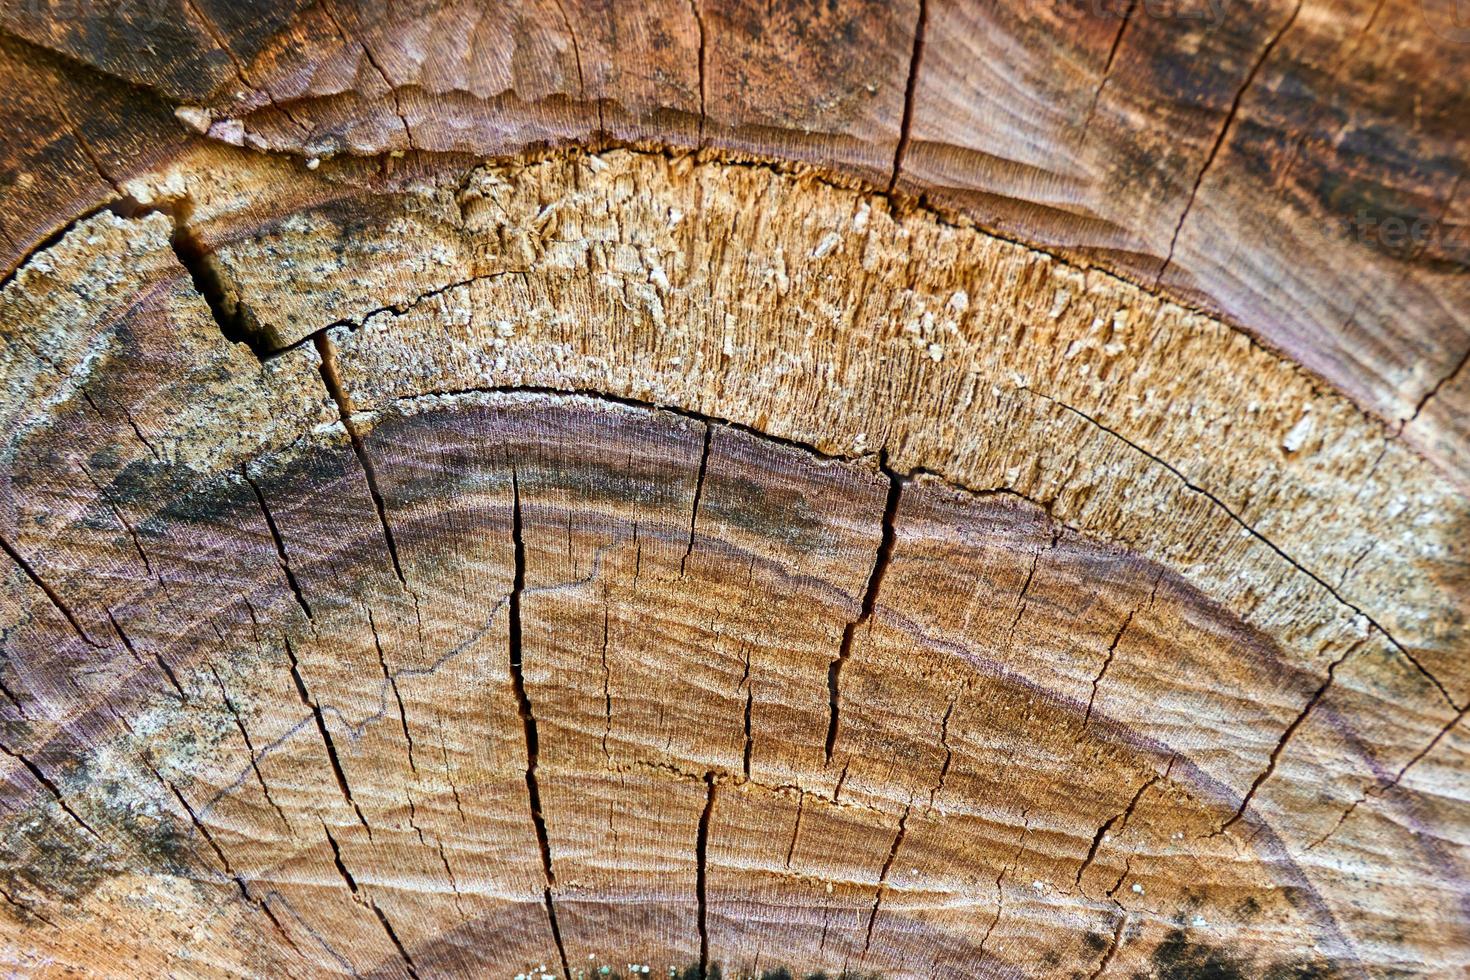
pixel 528 716
pixel 343 402
pixel 910 91
pixel 701 872
pixel 870 600
pixel 326 735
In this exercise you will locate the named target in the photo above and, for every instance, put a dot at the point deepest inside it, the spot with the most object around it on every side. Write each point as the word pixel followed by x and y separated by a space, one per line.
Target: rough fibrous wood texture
pixel 945 497
pixel 1295 167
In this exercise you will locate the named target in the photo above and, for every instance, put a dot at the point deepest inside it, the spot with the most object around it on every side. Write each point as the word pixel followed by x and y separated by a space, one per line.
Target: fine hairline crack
pixel 906 475
pixel 894 475
pixel 128 207
pixel 1250 529
pixel 236 319
pixel 317 337
pixel 239 323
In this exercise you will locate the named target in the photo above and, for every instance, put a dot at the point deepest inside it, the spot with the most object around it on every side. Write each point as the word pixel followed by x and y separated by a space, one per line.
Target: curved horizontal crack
pixel 1230 513
pixel 900 201
pixel 879 461
pixel 871 458
pixel 392 309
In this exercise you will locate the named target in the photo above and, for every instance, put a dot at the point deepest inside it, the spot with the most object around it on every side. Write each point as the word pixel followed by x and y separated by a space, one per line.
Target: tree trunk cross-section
pixel 510 491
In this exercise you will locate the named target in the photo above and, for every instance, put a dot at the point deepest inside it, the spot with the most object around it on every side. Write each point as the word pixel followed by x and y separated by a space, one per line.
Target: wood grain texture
pixel 759 490
pixel 632 560
pixel 1295 168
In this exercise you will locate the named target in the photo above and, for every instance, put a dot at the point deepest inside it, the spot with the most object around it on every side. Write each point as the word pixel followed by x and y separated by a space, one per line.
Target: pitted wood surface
pixel 1293 166
pixel 635 559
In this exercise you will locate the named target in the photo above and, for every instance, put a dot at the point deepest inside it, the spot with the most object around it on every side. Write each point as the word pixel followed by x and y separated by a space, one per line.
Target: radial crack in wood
pixel 650 562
